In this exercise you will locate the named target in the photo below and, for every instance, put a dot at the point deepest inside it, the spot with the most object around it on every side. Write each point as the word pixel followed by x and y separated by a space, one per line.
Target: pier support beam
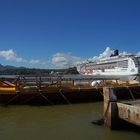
pixel 110 108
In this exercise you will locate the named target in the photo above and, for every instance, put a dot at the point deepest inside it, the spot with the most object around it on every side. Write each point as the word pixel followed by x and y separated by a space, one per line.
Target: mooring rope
pixel 13 98
pixel 64 97
pixel 136 92
pixel 131 93
pixel 106 112
pixel 98 90
pixel 29 99
pixel 43 96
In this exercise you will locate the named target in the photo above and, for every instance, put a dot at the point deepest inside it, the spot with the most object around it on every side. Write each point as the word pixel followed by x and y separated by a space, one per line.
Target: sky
pixel 62 33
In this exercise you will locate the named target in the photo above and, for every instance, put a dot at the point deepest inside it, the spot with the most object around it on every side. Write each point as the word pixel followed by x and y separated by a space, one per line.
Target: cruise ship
pixel 115 65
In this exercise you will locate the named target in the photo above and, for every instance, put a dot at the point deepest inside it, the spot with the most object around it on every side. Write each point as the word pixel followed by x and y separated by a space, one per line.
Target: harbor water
pixel 61 122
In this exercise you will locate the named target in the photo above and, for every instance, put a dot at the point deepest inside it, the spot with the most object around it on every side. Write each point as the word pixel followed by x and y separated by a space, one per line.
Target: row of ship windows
pixel 122 64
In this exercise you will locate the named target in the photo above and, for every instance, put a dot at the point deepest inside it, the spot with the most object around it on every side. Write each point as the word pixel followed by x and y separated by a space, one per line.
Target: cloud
pixel 124 53
pixel 10 55
pixel 58 60
pixel 138 53
pixel 106 53
pixel 61 60
pixel 36 61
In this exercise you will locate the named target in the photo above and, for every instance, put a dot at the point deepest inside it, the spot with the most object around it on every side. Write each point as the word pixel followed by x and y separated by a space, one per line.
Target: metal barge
pixel 48 90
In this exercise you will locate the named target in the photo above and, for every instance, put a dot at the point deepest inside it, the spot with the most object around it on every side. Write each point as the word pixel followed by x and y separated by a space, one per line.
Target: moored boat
pixel 117 65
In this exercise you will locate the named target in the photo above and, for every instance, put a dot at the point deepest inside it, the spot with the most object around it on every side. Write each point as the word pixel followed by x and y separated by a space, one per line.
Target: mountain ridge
pixel 13 70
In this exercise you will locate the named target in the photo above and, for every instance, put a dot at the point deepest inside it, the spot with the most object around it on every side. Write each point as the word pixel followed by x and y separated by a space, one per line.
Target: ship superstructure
pixel 128 65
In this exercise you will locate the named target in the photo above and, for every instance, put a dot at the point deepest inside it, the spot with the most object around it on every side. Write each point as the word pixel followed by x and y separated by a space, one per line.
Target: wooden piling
pixel 110 107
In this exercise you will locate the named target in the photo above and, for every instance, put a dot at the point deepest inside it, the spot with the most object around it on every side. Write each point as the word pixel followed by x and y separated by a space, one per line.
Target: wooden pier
pixel 116 111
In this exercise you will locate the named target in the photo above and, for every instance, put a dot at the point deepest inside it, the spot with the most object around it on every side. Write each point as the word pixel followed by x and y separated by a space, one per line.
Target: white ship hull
pixel 127 66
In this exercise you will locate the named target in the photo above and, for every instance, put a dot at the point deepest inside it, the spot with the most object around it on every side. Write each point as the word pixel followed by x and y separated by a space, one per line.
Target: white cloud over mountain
pixel 61 60
pixel 58 60
pixel 10 55
pixel 36 61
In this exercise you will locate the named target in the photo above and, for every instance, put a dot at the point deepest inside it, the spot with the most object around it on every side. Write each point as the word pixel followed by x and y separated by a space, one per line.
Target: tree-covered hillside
pixel 10 70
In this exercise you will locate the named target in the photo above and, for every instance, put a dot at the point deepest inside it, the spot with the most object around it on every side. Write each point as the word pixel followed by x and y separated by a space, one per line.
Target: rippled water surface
pixel 63 122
